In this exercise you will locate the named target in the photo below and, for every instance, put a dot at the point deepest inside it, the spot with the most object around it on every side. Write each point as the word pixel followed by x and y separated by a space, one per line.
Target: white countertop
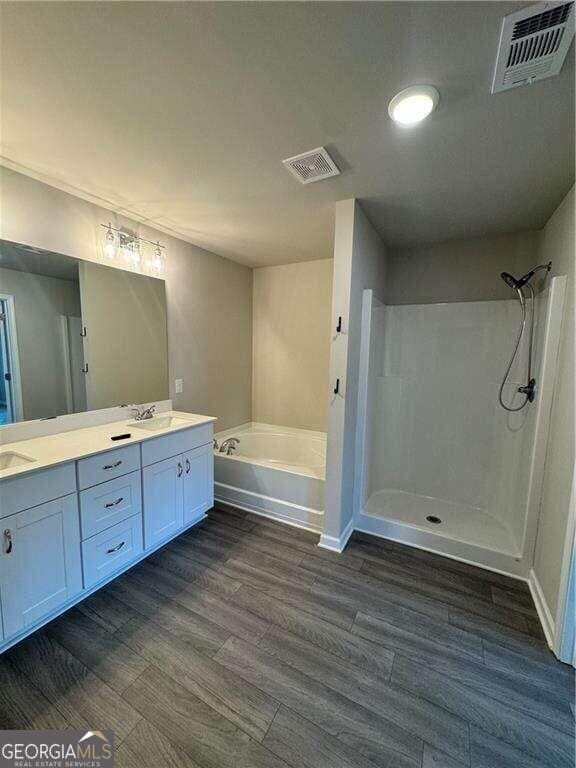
pixel 79 443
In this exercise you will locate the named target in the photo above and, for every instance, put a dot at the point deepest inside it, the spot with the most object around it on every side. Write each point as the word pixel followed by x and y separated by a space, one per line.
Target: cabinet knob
pixel 7 541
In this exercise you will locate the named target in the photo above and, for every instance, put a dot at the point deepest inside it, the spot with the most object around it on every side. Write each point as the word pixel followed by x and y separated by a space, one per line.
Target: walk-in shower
pixel 440 465
pixel 527 389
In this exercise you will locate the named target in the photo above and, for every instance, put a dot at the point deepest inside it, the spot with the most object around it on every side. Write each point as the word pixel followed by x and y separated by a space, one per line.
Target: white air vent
pixel 314 165
pixel 533 44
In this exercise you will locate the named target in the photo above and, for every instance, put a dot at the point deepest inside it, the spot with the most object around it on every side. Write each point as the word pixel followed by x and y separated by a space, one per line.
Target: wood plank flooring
pixel 244 645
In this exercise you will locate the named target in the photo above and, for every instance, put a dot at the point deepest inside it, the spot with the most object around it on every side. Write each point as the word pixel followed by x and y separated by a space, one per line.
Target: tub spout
pixel 229 445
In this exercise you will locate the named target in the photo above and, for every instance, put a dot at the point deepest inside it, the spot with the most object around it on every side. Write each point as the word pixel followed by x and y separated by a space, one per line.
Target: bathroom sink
pixel 9 459
pixel 160 422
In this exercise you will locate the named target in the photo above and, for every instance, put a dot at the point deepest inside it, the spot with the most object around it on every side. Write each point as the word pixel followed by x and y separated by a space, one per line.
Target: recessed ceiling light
pixel 413 104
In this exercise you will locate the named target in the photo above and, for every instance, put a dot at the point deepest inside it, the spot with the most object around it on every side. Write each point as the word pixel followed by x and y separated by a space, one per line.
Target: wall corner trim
pixel 544 613
pixel 337 543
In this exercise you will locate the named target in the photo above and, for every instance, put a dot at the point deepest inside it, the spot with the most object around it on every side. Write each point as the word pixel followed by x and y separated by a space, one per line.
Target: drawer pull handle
pixel 8 540
pixel 112 466
pixel 179 469
pixel 116 548
pixel 187 466
pixel 114 503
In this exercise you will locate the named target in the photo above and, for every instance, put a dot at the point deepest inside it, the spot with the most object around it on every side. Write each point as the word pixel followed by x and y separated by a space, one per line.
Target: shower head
pixel 509 280
pixel 521 281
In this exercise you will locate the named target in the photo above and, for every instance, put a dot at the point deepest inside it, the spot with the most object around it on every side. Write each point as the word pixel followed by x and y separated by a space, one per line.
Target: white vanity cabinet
pixel 163 509
pixel 40 564
pixel 68 529
pixel 198 482
pixel 179 489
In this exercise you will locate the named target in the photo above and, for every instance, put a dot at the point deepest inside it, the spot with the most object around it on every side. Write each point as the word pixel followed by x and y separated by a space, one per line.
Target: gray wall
pixel 459 270
pixel 360 262
pixel 38 303
pixel 209 297
pixel 291 345
pixel 555 528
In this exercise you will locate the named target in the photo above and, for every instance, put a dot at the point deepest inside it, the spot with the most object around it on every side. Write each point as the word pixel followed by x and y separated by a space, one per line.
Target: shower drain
pixel 433 519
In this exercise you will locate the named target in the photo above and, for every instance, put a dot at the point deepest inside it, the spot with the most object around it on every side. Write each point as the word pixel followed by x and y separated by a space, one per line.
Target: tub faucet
pixel 229 445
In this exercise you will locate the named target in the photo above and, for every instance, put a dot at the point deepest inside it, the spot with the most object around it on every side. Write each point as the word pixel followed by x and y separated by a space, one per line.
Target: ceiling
pixel 182 112
pixel 24 258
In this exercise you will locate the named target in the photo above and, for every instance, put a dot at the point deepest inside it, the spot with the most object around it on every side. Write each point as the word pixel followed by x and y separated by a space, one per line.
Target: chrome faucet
pixel 229 445
pixel 141 413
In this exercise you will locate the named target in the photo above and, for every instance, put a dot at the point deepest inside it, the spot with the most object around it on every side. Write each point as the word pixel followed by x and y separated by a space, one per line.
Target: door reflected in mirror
pixel 76 335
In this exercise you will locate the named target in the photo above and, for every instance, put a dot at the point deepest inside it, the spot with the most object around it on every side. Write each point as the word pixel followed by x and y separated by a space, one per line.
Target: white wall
pixel 359 263
pixel 38 303
pixel 291 344
pixel 209 297
pixel 556 513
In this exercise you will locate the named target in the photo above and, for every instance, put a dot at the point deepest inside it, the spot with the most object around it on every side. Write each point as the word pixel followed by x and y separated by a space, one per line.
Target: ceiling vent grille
pixel 311 166
pixel 533 44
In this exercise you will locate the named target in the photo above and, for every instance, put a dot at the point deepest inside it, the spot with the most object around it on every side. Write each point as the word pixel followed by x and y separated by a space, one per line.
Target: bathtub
pixel 274 471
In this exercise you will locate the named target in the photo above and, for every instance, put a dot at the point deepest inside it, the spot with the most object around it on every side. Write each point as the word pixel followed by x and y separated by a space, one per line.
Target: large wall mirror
pixel 77 336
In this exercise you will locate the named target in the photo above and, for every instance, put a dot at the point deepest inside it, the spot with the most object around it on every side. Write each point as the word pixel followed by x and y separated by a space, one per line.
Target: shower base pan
pixel 464 532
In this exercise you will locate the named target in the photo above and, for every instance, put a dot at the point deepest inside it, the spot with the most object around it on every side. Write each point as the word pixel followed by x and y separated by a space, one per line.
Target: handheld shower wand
pixel 528 390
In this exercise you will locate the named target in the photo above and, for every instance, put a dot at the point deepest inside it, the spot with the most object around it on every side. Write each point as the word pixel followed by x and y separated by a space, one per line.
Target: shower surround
pixel 440 464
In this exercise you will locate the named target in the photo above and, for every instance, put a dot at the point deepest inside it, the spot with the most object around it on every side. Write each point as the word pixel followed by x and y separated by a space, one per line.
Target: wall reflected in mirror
pixel 77 335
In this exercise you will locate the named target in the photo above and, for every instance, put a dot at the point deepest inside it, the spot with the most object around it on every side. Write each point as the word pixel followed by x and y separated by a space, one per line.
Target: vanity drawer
pixel 29 490
pixel 111 550
pixel 160 448
pixel 105 466
pixel 108 503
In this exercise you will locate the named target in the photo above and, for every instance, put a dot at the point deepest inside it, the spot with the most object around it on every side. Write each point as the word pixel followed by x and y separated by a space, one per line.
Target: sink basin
pixel 9 459
pixel 160 422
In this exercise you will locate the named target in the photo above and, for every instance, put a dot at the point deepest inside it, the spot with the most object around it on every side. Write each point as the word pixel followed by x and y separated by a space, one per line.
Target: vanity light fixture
pixel 413 104
pixel 130 250
pixel 157 262
pixel 128 246
pixel 110 245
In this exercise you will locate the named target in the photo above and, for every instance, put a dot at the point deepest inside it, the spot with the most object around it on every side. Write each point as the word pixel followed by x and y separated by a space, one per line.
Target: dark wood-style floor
pixel 243 645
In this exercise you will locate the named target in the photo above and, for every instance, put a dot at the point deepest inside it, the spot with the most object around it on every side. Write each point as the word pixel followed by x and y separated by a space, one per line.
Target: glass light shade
pixel 110 244
pixel 413 104
pixel 156 263
pixel 131 253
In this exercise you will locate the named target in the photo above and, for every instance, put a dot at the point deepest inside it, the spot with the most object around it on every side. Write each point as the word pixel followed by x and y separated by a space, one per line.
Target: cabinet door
pixel 40 562
pixel 198 482
pixel 163 516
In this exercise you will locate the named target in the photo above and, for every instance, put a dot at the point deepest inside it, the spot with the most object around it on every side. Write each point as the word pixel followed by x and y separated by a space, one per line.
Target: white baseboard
pixel 337 543
pixel 544 613
pixel 276 509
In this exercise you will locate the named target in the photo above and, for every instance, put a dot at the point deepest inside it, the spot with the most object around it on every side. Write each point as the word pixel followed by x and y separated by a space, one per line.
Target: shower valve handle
pixel 528 390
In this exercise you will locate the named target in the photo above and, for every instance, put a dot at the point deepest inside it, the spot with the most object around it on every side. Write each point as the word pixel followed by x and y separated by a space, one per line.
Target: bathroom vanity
pixel 80 507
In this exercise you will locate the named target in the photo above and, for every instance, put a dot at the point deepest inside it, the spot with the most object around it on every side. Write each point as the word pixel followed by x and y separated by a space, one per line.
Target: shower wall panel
pixel 436 426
